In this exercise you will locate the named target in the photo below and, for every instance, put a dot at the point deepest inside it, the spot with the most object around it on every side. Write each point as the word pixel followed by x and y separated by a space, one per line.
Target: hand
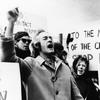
pixel 69 39
pixel 12 15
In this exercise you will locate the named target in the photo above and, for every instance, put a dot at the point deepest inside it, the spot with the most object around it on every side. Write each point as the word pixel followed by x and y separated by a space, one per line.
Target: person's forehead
pixel 81 61
pixel 43 34
pixel 26 37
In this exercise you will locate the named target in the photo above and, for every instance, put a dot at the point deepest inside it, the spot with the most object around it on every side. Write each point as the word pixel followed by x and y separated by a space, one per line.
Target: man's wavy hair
pixel 81 58
pixel 36 42
pixel 36 46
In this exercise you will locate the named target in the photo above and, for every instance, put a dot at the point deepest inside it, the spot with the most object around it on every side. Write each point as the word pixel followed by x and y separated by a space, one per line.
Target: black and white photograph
pixel 50 50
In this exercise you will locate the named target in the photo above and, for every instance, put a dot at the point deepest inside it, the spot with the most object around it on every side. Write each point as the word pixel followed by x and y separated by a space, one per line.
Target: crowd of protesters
pixel 43 66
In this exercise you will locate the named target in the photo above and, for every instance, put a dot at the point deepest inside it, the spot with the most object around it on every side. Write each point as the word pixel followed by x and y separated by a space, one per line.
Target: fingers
pixel 14 12
pixel 17 11
pixel 13 15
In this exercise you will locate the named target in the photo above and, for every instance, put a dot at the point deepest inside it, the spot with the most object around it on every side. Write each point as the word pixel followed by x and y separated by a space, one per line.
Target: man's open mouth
pixel 50 46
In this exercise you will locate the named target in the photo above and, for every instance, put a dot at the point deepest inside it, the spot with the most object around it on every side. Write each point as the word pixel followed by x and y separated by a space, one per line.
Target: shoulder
pixel 30 60
pixel 66 68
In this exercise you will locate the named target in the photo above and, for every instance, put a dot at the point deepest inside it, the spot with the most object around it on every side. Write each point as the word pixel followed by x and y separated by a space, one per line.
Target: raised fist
pixel 69 39
pixel 12 15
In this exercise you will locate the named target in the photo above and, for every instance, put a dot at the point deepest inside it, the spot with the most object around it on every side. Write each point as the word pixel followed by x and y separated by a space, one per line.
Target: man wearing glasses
pixel 22 42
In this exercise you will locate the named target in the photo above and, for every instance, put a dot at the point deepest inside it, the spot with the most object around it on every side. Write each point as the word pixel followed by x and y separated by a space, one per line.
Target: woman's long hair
pixel 80 58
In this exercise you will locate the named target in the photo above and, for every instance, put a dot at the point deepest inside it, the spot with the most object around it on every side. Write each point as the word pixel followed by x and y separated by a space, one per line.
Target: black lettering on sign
pixel 88 56
pixel 98 33
pixel 73 46
pixel 3 95
pixel 24 23
pixel 89 33
pixel 85 46
pixel 27 24
pixel 97 45
pixel 75 35
pixel 29 30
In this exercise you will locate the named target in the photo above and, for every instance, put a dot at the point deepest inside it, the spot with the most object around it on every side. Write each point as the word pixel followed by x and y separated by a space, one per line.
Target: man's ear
pixel 37 45
pixel 15 43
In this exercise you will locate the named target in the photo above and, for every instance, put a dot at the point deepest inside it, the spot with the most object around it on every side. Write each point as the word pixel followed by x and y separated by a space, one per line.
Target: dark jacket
pixel 86 87
pixel 22 54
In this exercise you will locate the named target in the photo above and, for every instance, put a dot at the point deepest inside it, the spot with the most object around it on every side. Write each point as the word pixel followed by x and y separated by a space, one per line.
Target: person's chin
pixel 51 51
pixel 79 73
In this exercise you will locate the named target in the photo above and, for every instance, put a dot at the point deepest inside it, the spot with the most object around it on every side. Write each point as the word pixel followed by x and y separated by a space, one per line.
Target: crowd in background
pixel 45 71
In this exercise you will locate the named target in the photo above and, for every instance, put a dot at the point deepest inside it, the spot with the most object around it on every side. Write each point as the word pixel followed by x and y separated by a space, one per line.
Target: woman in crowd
pixel 85 84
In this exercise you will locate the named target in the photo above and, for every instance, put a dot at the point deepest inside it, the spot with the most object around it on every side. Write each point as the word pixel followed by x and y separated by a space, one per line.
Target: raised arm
pixel 12 16
pixel 7 48
pixel 7 51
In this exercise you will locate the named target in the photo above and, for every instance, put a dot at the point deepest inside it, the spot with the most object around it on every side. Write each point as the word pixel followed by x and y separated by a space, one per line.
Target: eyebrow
pixel 47 37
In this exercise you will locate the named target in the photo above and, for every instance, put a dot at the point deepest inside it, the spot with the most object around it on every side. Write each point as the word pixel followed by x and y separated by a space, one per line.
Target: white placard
pixel 86 42
pixel 10 85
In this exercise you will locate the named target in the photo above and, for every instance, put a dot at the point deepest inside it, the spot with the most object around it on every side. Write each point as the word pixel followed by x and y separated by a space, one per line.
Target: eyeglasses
pixel 25 40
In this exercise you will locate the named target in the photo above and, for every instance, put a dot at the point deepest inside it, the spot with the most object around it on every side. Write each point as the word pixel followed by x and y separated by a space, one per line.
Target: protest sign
pixel 86 42
pixel 10 85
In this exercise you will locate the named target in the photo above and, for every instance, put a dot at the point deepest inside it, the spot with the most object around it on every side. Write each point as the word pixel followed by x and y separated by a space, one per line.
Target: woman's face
pixel 81 67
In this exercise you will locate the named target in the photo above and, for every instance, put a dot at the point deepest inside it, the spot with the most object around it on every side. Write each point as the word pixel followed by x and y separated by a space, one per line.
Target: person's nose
pixel 80 66
pixel 27 42
pixel 49 39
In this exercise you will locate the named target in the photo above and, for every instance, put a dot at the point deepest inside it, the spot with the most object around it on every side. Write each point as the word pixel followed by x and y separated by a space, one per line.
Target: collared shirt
pixel 46 66
pixel 43 62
